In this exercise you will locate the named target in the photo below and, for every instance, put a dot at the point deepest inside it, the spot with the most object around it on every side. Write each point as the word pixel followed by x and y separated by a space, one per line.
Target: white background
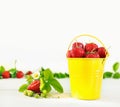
pixel 37 32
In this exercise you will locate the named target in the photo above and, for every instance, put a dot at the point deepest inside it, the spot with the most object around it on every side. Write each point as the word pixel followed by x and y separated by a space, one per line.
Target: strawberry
pixel 28 73
pixel 77 45
pixel 102 52
pixel 35 86
pixel 19 74
pixel 92 55
pixel 68 55
pixel 90 47
pixel 77 52
pixel 6 74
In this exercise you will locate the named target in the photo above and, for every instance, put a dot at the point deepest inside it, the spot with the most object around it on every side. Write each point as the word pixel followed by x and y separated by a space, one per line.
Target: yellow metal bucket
pixel 86 76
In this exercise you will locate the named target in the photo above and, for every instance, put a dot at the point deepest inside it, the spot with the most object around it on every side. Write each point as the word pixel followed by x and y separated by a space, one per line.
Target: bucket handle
pixel 88 35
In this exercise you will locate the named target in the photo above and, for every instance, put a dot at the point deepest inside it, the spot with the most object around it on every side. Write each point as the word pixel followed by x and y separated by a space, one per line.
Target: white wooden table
pixel 10 97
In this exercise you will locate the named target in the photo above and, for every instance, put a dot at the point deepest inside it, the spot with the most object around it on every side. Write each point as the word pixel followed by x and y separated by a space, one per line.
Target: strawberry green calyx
pixel 36 95
pixel 44 93
pixel 30 93
pixel 25 92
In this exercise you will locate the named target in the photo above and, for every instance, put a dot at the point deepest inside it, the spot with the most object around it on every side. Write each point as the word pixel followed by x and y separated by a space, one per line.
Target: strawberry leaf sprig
pixel 114 73
pixel 40 84
pixel 48 80
pixel 61 75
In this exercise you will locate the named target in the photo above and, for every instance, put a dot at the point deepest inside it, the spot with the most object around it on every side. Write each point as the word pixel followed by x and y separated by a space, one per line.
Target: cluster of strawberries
pixel 18 74
pixel 90 50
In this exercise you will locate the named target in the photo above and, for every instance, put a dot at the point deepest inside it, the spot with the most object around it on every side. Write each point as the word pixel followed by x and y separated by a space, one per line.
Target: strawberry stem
pixel 15 63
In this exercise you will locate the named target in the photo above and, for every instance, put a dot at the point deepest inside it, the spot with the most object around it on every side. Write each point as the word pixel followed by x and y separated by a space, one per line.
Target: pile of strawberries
pixel 89 50
pixel 6 74
pixel 18 74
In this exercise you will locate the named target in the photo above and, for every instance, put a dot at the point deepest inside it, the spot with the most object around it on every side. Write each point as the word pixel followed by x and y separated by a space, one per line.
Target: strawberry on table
pixel 35 86
pixel 19 74
pixel 28 73
pixel 42 86
pixel 6 74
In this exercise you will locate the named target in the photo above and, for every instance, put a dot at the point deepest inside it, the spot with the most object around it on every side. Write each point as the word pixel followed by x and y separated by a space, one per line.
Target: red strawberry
pixel 90 47
pixel 19 74
pixel 102 52
pixel 35 86
pixel 77 45
pixel 69 54
pixel 6 74
pixel 28 73
pixel 77 52
pixel 92 55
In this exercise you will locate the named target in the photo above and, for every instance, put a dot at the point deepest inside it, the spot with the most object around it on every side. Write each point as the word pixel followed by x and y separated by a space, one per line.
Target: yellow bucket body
pixel 86 77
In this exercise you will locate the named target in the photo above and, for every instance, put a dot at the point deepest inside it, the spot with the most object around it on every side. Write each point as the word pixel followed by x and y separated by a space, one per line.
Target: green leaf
pixel 61 75
pixel 13 72
pixel 23 87
pixel 42 72
pixel 13 75
pixel 29 79
pixel 116 75
pixel 48 74
pixel 2 69
pixel 42 69
pixel 56 75
pixel 67 75
pixel 56 85
pixel 1 77
pixel 107 74
pixel 116 66
pixel 47 87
